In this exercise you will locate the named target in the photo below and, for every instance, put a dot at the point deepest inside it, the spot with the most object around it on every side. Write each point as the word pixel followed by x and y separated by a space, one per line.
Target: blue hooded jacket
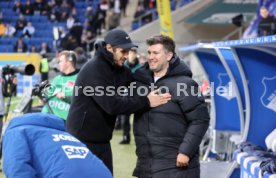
pixel 36 145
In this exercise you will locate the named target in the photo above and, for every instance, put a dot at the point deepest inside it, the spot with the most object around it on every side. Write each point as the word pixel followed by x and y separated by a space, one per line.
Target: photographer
pixel 8 83
pixel 58 97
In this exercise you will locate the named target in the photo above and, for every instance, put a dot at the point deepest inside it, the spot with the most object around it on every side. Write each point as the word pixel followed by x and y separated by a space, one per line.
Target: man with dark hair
pixel 96 100
pixel 168 137
pixel 60 94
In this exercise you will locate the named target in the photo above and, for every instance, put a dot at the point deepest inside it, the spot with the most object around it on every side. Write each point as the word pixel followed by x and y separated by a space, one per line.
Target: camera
pixel 28 69
pixel 37 89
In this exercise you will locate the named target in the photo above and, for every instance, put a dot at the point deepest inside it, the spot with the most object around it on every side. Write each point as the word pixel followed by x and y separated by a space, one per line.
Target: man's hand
pixel 60 95
pixel 182 160
pixel 157 99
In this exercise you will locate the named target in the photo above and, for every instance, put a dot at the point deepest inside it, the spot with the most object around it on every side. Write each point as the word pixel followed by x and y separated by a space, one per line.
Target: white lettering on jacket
pixel 59 137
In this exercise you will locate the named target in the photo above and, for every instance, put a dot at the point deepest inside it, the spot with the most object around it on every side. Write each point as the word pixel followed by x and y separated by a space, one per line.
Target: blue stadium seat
pixel 5 41
pixel 184 2
pixel 6 5
pixel 135 25
pixel 173 5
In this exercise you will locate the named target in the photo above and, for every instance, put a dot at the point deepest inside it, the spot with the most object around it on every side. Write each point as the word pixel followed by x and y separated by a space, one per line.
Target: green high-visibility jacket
pixel 65 84
pixel 44 65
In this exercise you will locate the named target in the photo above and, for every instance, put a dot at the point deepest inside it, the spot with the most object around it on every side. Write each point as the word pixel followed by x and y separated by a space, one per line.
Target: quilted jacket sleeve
pixel 17 161
pixel 195 111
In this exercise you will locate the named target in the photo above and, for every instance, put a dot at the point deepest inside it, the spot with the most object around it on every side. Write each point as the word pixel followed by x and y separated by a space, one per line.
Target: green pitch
pixel 124 158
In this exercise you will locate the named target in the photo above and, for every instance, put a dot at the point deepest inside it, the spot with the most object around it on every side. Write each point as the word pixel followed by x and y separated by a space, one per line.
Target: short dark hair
pixel 166 41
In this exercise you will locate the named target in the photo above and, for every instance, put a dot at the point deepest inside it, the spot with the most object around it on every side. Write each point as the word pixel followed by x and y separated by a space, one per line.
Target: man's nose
pixel 150 56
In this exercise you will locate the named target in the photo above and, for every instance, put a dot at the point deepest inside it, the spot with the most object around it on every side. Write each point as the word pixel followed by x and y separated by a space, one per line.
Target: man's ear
pixel 109 48
pixel 169 56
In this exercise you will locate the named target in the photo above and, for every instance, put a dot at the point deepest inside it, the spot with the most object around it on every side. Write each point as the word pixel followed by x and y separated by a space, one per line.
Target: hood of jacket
pixel 38 119
pixel 176 68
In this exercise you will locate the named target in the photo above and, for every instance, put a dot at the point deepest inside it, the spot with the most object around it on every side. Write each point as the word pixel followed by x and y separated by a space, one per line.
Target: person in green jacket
pixel 58 96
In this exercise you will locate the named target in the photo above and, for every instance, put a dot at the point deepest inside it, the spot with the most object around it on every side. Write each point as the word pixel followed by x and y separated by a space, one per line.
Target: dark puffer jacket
pixel 176 127
pixel 96 104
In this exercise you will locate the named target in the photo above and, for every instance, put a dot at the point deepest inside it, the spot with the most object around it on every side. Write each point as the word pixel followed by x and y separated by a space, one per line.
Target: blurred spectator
pixel 17 7
pixel 40 7
pixel 123 6
pixel 115 5
pixel 65 10
pixel 139 10
pixel 104 7
pixel 142 58
pixel 267 25
pixel 71 3
pixel 10 30
pixel 98 20
pixel 44 48
pixel 147 18
pixel 58 2
pixel 132 61
pixel 89 14
pixel 28 30
pixel 20 23
pixel 52 17
pixel 76 32
pixel 113 20
pixel 88 40
pixel 20 46
pixel 149 4
pixel 70 22
pixel 51 11
pixel 81 57
pixel 2 28
pixel 33 49
pixel 28 8
pixel 44 67
pixel 58 33
pixel 48 7
pixel 69 43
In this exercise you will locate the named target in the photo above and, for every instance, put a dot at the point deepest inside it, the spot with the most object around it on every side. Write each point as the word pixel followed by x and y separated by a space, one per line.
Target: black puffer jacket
pixel 95 103
pixel 178 126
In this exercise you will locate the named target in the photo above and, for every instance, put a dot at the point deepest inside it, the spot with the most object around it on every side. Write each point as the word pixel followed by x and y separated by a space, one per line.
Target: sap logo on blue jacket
pixel 75 151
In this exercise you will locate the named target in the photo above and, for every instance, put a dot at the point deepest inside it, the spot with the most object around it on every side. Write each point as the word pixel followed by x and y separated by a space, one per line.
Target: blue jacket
pixel 36 145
